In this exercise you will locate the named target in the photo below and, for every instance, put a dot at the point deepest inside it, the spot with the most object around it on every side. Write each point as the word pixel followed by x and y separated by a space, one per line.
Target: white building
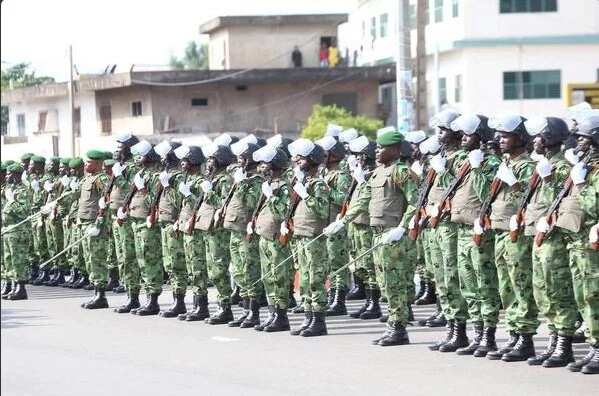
pixel 493 55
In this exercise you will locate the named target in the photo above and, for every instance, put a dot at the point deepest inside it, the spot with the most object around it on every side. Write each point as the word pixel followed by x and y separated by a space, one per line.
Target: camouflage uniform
pixel 75 253
pixel 39 198
pixel 54 229
pixel 361 239
pixel 16 242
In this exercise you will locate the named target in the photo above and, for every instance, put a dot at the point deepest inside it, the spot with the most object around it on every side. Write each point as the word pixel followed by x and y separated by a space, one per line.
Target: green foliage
pixel 323 115
pixel 194 57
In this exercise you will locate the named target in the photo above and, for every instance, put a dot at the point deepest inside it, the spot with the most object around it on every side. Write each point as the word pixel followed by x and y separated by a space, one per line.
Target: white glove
pixel 64 181
pixel 476 157
pixel 284 230
pixel 433 211
pixel 506 175
pixel 184 189
pixel 139 181
pixel 536 157
pixel 438 163
pixel 9 195
pixel 35 184
pixel 92 231
pixel 299 174
pixel 358 174
pixel 239 175
pixel 578 173
pixel 121 214
pixel 544 167
pixel 267 190
pixel 301 190
pixel 478 228
pixel 417 168
pixel 514 223
pixel 74 185
pixel 24 178
pixel 394 234
pixel 571 156
pixel 102 203
pixel 164 178
pixel 206 186
pixel 352 161
pixel 46 209
pixel 334 227
pixel 117 169
pixel 542 225
pixel 594 234
pixel 249 229
pixel 48 186
pixel 412 223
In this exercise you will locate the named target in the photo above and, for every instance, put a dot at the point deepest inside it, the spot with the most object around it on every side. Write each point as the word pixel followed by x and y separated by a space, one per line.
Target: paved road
pixel 50 346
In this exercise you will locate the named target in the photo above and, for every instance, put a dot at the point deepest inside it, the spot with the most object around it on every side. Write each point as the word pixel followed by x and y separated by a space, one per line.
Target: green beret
pixel 390 138
pixel 38 159
pixel 109 162
pixel 26 156
pixel 65 161
pixel 107 155
pixel 3 167
pixel 9 162
pixel 14 168
pixel 95 155
pixel 75 162
pixel 54 160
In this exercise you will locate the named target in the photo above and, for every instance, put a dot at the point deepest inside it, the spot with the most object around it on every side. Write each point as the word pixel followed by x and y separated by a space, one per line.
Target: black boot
pixel 177 308
pixel 113 279
pixel 318 326
pixel 358 291
pixel 592 367
pixel 563 354
pixel 183 316
pixel 579 364
pixel 150 308
pixel 262 300
pixel 223 316
pixel 421 287
pixel 410 313
pixel 385 334
pixel 487 343
pixel 448 336
pixel 246 311
pixel 439 320
pixel 119 289
pixel 132 303
pixel 271 318
pixel 74 278
pixel 338 307
pixel 53 274
pixel 507 347
pixel 523 349
pixel 19 293
pixel 478 336
pixel 539 359
pixel 331 296
pixel 300 307
pixel 308 316
pixel 364 307
pixel 423 322
pixel 42 277
pixel 384 318
pixel 579 337
pixel 253 318
pixel 89 286
pixel 292 302
pixel 200 311
pixel 396 335
pixel 459 339
pixel 58 278
pixel 99 301
pixel 373 311
pixel 82 282
pixel 6 288
pixel 235 297
pixel 281 322
pixel 34 273
pixel 429 296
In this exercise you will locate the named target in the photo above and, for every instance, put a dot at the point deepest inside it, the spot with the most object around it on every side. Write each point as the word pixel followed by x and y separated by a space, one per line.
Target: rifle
pixel 347 199
pixel 425 188
pixel 127 201
pixel 255 214
pixel 295 200
pixel 485 210
pixel 535 180
pixel 445 206
pixel 106 194
pixel 221 212
pixel 192 220
pixel 153 215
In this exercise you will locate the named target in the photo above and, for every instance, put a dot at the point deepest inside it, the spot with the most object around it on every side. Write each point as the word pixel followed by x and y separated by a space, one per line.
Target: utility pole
pixel 72 101
pixel 403 69
pixel 421 100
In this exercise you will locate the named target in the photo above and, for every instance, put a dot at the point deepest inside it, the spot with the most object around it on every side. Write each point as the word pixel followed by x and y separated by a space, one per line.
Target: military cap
pixel 14 168
pixel 109 162
pixel 38 159
pixel 27 156
pixel 3 167
pixel 54 160
pixel 95 155
pixel 107 155
pixel 128 139
pixel 75 162
pixel 65 161
pixel 389 137
pixel 270 154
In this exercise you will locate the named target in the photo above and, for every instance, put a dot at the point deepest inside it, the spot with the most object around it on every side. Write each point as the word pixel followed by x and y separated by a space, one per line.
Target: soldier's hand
pixel 393 235
pixel 334 227
pixel 544 167
pixel 284 230
pixel 578 173
pixel 594 234
pixel 301 190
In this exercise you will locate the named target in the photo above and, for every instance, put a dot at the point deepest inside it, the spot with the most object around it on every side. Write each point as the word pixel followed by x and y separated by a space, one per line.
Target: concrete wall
pixel 120 100
pixel 218 48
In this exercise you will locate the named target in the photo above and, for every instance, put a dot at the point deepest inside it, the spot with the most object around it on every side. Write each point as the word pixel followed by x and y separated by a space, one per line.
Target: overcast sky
pixel 124 32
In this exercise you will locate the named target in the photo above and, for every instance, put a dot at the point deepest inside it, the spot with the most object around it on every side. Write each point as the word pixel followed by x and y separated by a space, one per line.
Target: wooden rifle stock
pixel 551 215
pixel 127 201
pixel 106 194
pixel 445 205
pixel 425 188
pixel 295 200
pixel 535 180
pixel 221 212
pixel 484 219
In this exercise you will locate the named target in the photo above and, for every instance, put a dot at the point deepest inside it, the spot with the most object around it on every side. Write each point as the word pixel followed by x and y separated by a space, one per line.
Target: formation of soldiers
pixel 491 213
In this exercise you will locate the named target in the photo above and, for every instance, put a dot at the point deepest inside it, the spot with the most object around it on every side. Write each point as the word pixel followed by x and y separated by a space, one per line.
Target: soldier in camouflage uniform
pixel 74 255
pixel 39 197
pixel 52 227
pixel 15 208
pixel 25 161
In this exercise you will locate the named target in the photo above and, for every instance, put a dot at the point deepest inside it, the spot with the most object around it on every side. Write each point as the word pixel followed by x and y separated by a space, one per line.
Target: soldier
pixel 111 260
pixel 52 222
pixel 216 239
pixel 15 209
pixel 91 230
pixel 339 182
pixel 136 208
pixel 80 277
pixel 59 211
pixel 39 196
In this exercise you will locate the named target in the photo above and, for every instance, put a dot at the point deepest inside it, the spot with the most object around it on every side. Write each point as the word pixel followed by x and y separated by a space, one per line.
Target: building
pixel 489 56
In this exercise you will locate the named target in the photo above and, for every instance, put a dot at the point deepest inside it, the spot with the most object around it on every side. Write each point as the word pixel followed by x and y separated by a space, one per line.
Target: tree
pixel 194 57
pixel 19 76
pixel 323 115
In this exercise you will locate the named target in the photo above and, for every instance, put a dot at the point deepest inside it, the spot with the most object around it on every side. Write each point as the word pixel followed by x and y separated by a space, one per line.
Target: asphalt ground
pixel 50 346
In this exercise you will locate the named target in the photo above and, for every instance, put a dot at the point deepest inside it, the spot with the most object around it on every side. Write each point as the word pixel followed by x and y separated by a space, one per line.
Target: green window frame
pixel 533 84
pixel 455 8
pixel 438 11
pixel 521 6
pixel 383 22
pixel 412 16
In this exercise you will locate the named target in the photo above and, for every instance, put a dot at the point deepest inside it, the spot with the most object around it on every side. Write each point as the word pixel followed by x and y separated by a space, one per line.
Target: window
pixel 442 91
pixel 373 28
pixel 383 22
pixel 457 93
pixel 541 84
pixel 438 10
pixel 199 102
pixel 412 16
pixel 455 8
pixel 136 110
pixel 513 6
pixel 106 118
pixel 41 121
pixel 21 124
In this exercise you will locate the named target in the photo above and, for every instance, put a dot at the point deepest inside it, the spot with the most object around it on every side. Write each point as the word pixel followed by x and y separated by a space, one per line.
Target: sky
pixel 122 32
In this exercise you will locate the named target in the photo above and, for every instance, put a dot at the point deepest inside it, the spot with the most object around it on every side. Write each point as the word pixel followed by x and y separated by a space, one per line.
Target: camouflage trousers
pixel 195 258
pixel 149 255
pixel 124 249
pixel 421 268
pixel 275 275
pixel 15 255
pixel 173 256
pixel 361 241
pixel 412 262
pixel 394 273
pixel 443 246
pixel 55 240
pixel 584 266
pixel 424 238
pixel 478 276
pixel 74 254
pixel 93 250
pixel 313 263
pixel 111 260
pixel 218 258
pixel 552 284
pixel 40 244
pixel 514 273
pixel 338 256
pixel 245 263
